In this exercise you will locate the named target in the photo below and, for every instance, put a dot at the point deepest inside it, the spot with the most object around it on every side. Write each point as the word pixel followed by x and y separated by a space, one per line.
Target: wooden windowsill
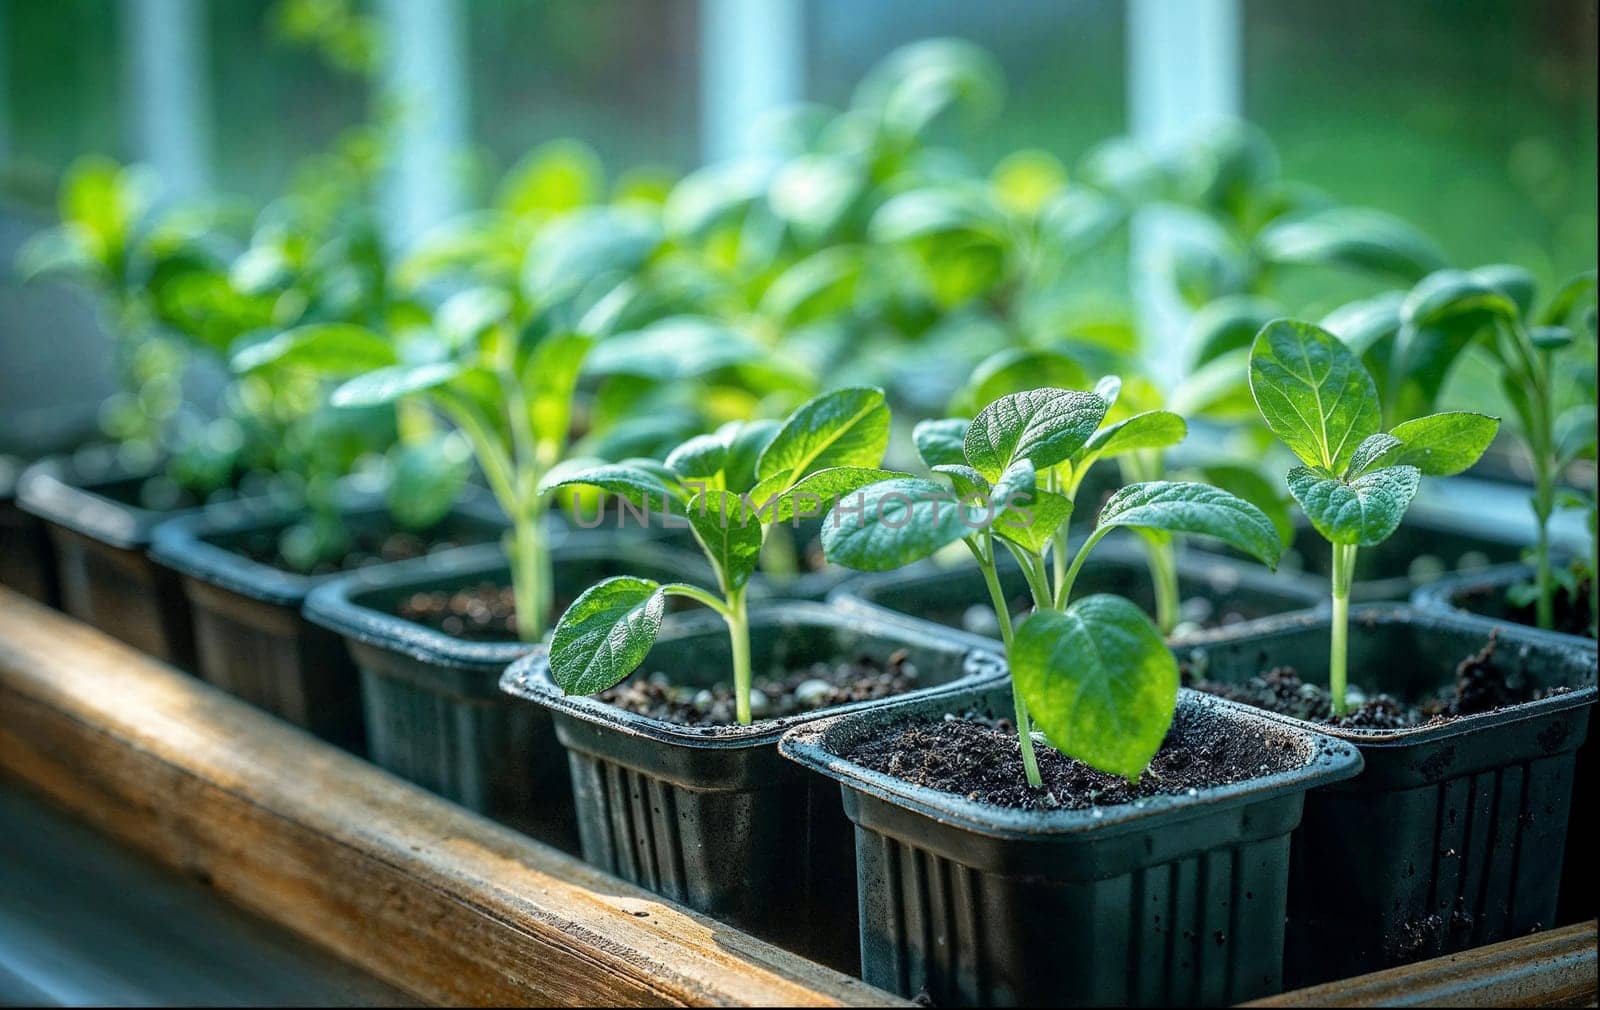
pixel 444 904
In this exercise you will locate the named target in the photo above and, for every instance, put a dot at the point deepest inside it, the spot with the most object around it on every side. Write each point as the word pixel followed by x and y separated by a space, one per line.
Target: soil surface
pixel 367 547
pixel 486 612
pixel 1479 687
pixel 980 759
pixel 819 686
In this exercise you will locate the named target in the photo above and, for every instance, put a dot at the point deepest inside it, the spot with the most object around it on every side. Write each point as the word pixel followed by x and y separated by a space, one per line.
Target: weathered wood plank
pixel 1555 968
pixel 419 892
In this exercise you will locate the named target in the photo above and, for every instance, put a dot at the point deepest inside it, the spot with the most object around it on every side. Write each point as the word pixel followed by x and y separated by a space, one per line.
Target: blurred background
pixel 1473 119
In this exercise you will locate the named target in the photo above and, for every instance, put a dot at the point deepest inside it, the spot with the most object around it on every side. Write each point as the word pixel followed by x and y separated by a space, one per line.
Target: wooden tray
pixel 440 902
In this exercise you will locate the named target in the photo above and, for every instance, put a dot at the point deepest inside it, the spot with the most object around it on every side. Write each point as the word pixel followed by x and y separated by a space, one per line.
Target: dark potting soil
pixel 1479 687
pixel 486 612
pixel 980 759
pixel 816 687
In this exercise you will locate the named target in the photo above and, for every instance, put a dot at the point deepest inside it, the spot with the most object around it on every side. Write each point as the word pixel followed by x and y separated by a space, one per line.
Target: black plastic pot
pixel 1173 900
pixel 712 817
pixel 957 596
pixel 1479 598
pixel 1452 837
pixel 27 564
pixel 250 637
pixel 100 539
pixel 434 712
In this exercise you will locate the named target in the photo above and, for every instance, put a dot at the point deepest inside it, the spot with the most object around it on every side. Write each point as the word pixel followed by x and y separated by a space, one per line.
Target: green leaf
pixel 892 523
pixel 1165 507
pixel 1514 282
pixel 389 384
pixel 1099 681
pixel 1250 485
pixel 1015 370
pixel 847 427
pixel 1551 338
pixel 701 458
pixel 942 441
pixel 1567 298
pixel 588 247
pixel 1312 393
pixel 606 634
pixel 1363 512
pixel 1034 523
pixel 1372 449
pixel 920 82
pixel 730 537
pixel 642 487
pixel 746 442
pixel 1153 429
pixel 467 315
pixel 968 482
pixel 1575 433
pixel 1442 445
pixel 807 498
pixel 1043 426
pixel 324 348
pixel 819 286
pixel 1366 240
pixel 550 376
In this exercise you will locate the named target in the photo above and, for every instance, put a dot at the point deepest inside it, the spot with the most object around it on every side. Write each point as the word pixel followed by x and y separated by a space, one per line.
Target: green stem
pixel 738 621
pixel 1064 587
pixel 997 595
pixel 531 574
pixel 1344 564
pixel 1162 559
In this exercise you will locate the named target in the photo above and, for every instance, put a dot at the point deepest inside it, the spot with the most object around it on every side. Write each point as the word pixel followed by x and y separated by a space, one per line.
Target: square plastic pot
pixel 945 594
pixel 1452 836
pixel 27 564
pixel 712 817
pixel 105 574
pixel 250 636
pixel 1477 598
pixel 1175 900
pixel 433 710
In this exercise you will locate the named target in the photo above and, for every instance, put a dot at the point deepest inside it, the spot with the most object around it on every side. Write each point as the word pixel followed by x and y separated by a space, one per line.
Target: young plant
pixel 1452 310
pixel 730 488
pixel 1094 674
pixel 1356 481
pixel 1214 388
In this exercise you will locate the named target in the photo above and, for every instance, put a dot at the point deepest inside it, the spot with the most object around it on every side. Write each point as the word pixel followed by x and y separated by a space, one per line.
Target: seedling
pixel 1356 481
pixel 730 488
pixel 1095 675
pixel 1450 310
pixel 1214 387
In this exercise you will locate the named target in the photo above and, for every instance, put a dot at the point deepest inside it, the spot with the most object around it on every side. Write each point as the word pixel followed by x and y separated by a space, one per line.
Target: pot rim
pixel 529 678
pixel 1325 760
pixel 336 603
pixel 1440 598
pixel 185 543
pixel 1366 615
pixel 54 489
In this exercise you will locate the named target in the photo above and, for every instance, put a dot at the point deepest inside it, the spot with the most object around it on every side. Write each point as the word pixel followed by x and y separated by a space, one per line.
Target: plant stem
pixel 531 574
pixel 738 621
pixel 1030 763
pixel 1162 559
pixel 1344 564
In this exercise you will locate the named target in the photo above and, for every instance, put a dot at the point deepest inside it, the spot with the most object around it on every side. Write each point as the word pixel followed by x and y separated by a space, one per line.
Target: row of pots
pixel 1181 899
